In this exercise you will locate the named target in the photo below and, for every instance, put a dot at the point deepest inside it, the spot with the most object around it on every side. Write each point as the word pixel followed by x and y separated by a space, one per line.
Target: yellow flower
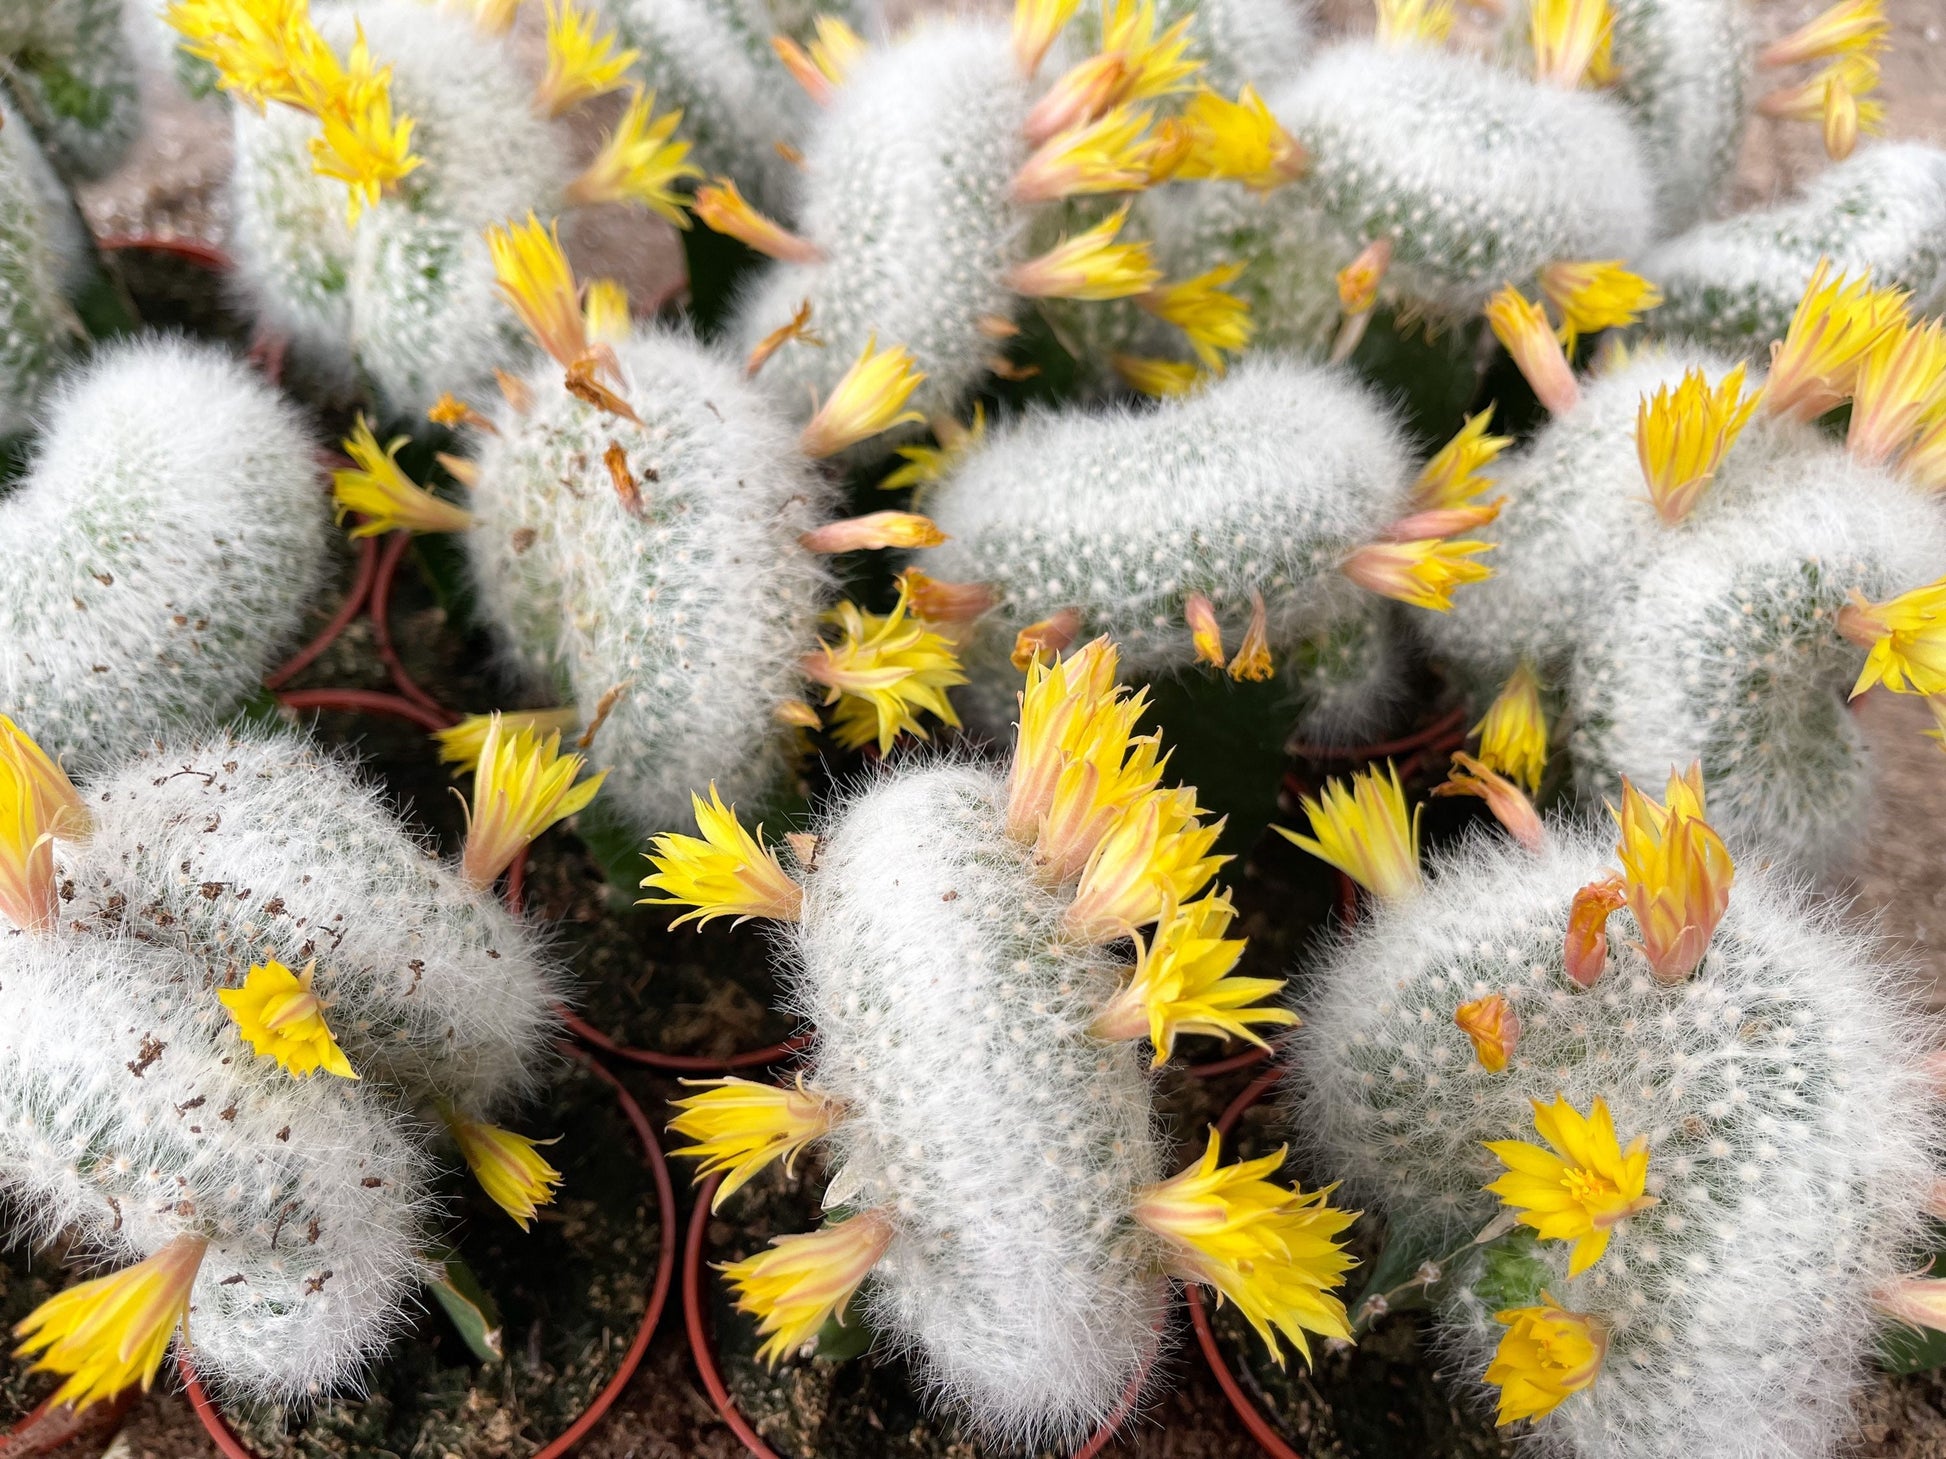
pixel 929 465
pixel 741 1126
pixel 723 209
pixel 1240 141
pixel 496 17
pixel 1523 331
pixel 1152 65
pixel 873 531
pixel 60 803
pixel 461 745
pixel 1682 438
pixel 114 1331
pixel 452 412
pixel 1036 24
pixel 1109 154
pixel 1569 37
pixel 1452 478
pixel 509 1167
pixel 536 281
pixel 801 1282
pixel 282 1019
pixel 829 60
pixel 1546 1354
pixel 1676 873
pixel 1513 735
pixel 1414 22
pixel 1422 571
pixel 1205 633
pixel 1579 1190
pixel 1598 294
pixel 869 398
pixel 727 873
pixel 1850 27
pixel 1213 319
pixel 1906 636
pixel 1358 280
pixel 1154 855
pixel 1364 831
pixel 1252 658
pixel 362 144
pixel 1493 1027
pixel 582 62
pixel 380 491
pixel 1838 98
pixel 1090 265
pixel 1585 949
pixel 522 785
pixel 1160 378
pixel 27 885
pixel 1901 387
pixel 1182 983
pixel 882 673
pixel 605 312
pixel 1269 1250
pixel 1508 803
pixel 1836 324
pixel 638 163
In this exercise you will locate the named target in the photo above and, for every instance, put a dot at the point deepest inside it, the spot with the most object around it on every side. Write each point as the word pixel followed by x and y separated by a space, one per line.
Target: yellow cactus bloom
pixel 1200 307
pixel 1676 874
pixel 255 46
pixel 1358 281
pixel 1422 571
pixel 522 785
pixel 723 209
pixel 361 143
pixel 509 1167
pixel 1182 984
pixel 869 398
pixel 605 312
pixel 1160 378
pixel 1076 764
pixel 1569 38
pixel 741 1126
pixel 1906 636
pixel 1414 22
pixel 1452 478
pixel 1900 387
pixel 799 1283
pixel 1523 331
pixel 535 279
pixel 1581 1188
pixel 461 745
pixel 1238 141
pixel 282 1019
pixel 1205 633
pixel 827 63
pixel 1036 24
pixel 582 60
pixel 1513 735
pixel 1155 854
pixel 872 531
pixel 1493 1028
pixel 727 873
pixel 27 886
pixel 930 465
pixel 1506 800
pixel 1596 294
pixel 1252 659
pixel 638 163
pixel 1109 154
pixel 1546 1355
pixel 1850 27
pixel 61 806
pixel 113 1332
pixel 1839 98
pixel 1682 436
pixel 882 673
pixel 388 499
pixel 1363 830
pixel 1836 324
pixel 1154 65
pixel 1090 265
pixel 1273 1251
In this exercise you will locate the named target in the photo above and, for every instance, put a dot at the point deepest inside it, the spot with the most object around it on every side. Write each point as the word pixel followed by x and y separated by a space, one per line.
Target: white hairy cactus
pixel 1681 70
pixel 40 330
pixel 72 71
pixel 1734 284
pixel 1789 1139
pixel 165 544
pixel 131 1115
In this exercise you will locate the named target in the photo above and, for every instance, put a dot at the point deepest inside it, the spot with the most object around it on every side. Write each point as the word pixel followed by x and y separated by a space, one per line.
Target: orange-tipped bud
pixel 1676 873
pixel 1358 280
pixel 874 530
pixel 1523 331
pixel 1252 659
pixel 941 602
pixel 1586 953
pixel 1493 1027
pixel 1423 572
pixel 1204 631
pixel 1508 802
pixel 1049 638
pixel 723 209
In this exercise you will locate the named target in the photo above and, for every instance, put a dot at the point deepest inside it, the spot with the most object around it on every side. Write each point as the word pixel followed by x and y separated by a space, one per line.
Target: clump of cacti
pixel 977 1078
pixel 1696 1108
pixel 166 542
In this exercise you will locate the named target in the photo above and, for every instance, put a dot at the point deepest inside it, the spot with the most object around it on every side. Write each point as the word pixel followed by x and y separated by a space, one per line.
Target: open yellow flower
pixel 282 1019
pixel 1682 436
pixel 534 277
pixel 639 163
pixel 1850 27
pixel 509 1167
pixel 1036 23
pixel 824 66
pixel 1109 154
pixel 1906 636
pixel 1676 874
pixel 361 143
pixel 1493 1027
pixel 1596 294
pixel 1453 477
pixel 1090 265
pixel 799 1283
pixel 27 887
pixel 1901 387
pixel 1581 1188
pixel 1182 983
pixel 522 785
pixel 884 671
pixel 1363 829
pixel 1523 331
pixel 61 806
pixel 727 873
pixel 1153 855
pixel 582 60
pixel 1570 39
pixel 380 491
pixel 1152 65
pixel 1422 571
pixel 741 1126
pixel 1837 322
pixel 1202 308
pixel 1546 1355
pixel 1271 1250
pixel 461 745
pixel 1513 735
pixel 114 1331
pixel 930 465
pixel 869 398
pixel 1238 141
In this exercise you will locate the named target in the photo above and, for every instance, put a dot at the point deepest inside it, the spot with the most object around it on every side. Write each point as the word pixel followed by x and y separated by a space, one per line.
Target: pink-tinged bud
pixel 1494 1028
pixel 1358 281
pixel 1204 631
pixel 1523 331
pixel 1082 94
pixel 872 531
pixel 1508 802
pixel 936 601
pixel 1918 1300
pixel 1443 521
pixel 1586 954
pixel 1050 638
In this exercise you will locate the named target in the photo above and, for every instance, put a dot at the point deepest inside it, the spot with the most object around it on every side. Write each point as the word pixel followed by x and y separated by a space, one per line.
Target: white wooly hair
pixel 163 547
pixel 1263 480
pixel 405 298
pixel 131 1112
pixel 698 610
pixel 71 69
pixel 38 331
pixel 905 189
pixel 1791 1135
pixel 1476 173
pixel 248 845
pixel 1005 1141
pixel 1736 283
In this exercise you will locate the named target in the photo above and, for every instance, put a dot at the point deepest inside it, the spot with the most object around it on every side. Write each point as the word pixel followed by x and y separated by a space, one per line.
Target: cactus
pixel 42 254
pixel 1756 1152
pixel 167 540
pixel 73 72
pixel 976 1074
pixel 1680 67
